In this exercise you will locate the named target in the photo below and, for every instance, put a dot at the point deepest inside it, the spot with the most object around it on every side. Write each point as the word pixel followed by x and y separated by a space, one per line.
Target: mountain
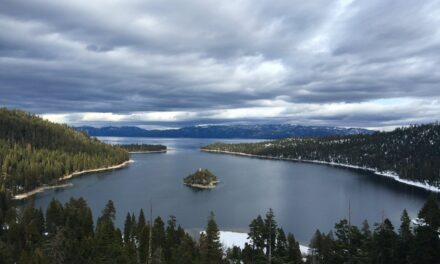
pixel 227 131
pixel 35 152
pixel 412 153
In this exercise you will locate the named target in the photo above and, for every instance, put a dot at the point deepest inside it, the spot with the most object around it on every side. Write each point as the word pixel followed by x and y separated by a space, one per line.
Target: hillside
pixel 413 152
pixel 34 152
pixel 227 131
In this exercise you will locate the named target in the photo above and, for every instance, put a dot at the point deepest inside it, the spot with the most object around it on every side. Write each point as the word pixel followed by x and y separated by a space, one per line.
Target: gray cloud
pixel 209 60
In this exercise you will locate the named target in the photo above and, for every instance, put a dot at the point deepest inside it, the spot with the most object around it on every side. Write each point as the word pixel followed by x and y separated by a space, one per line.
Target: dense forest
pixel 67 234
pixel 142 147
pixel 412 152
pixel 34 152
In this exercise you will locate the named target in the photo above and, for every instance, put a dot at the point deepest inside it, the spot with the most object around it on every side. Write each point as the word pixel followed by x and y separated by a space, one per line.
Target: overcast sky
pixel 372 63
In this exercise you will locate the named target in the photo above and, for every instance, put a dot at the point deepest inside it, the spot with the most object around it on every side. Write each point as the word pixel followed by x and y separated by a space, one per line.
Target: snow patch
pixel 305 250
pixel 230 239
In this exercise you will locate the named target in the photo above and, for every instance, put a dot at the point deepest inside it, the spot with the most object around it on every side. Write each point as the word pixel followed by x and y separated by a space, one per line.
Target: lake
pixel 304 196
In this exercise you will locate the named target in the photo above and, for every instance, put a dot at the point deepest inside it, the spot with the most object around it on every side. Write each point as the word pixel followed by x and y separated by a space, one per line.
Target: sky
pixel 162 64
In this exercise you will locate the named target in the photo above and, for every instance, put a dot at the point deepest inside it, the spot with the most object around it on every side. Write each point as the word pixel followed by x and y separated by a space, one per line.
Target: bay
pixel 304 196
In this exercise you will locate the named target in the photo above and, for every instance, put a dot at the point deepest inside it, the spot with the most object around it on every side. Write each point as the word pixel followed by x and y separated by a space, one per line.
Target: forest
pixel 412 152
pixel 67 234
pixel 36 152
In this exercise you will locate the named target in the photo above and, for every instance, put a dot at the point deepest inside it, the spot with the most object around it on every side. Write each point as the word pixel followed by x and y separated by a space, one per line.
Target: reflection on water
pixel 304 196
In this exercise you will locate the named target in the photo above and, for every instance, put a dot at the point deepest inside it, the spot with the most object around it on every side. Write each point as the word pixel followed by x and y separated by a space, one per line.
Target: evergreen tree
pixel 293 251
pixel 233 255
pixel 280 252
pixel 55 248
pixel 141 221
pixel 212 252
pixel 256 233
pixel 426 241
pixel 405 239
pixel 128 227
pixel 430 212
pixel 270 234
pixel 108 239
pixel 109 212
pixel 158 241
pixel 426 246
pixel 385 243
pixel 342 243
pixel 172 239
pixel 54 216
pixel 186 252
pixel 143 239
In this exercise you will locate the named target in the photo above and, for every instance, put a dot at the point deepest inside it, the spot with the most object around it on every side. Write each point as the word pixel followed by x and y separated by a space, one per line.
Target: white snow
pixel 230 239
pixel 418 222
pixel 304 250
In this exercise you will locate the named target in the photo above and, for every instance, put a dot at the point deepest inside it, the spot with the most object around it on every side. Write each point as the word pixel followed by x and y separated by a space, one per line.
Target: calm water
pixel 304 196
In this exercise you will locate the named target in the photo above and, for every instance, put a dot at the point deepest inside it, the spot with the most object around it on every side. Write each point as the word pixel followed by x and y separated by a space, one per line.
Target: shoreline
pixel 388 174
pixel 114 167
pixel 39 190
pixel 32 192
pixel 200 186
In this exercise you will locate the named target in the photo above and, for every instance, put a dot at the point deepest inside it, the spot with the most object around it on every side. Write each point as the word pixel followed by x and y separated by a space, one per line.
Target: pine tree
pixel 342 243
pixel 171 239
pixel 385 243
pixel 109 212
pixel 270 234
pixel 256 233
pixel 158 241
pixel 212 252
pixel 405 239
pixel 54 216
pixel 186 252
pixel 280 252
pixel 293 252
pixel 430 212
pixel 426 247
pixel 141 221
pixel 128 227
pixel 55 248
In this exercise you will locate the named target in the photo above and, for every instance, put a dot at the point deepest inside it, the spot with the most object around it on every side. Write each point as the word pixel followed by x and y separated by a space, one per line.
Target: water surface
pixel 304 196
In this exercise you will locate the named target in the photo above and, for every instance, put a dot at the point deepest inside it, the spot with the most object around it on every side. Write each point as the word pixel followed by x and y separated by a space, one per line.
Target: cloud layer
pixel 172 63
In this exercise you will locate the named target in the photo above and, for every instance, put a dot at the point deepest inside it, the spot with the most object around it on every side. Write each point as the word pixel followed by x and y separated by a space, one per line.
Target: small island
pixel 143 148
pixel 201 179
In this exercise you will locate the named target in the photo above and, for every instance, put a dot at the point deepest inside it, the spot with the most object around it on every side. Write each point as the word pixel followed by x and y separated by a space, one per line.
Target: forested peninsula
pixel 410 154
pixel 35 152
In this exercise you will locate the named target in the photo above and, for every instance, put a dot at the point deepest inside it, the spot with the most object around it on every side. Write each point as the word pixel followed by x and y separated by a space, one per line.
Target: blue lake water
pixel 304 196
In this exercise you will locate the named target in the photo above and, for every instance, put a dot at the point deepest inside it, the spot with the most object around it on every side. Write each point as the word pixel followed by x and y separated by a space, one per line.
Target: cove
pixel 304 196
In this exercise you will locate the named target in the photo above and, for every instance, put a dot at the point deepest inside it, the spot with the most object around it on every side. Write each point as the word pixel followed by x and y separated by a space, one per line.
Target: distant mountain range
pixel 226 131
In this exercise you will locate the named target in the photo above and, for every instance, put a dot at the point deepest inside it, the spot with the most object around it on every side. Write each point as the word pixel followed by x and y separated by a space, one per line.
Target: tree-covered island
pixel 143 148
pixel 202 179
